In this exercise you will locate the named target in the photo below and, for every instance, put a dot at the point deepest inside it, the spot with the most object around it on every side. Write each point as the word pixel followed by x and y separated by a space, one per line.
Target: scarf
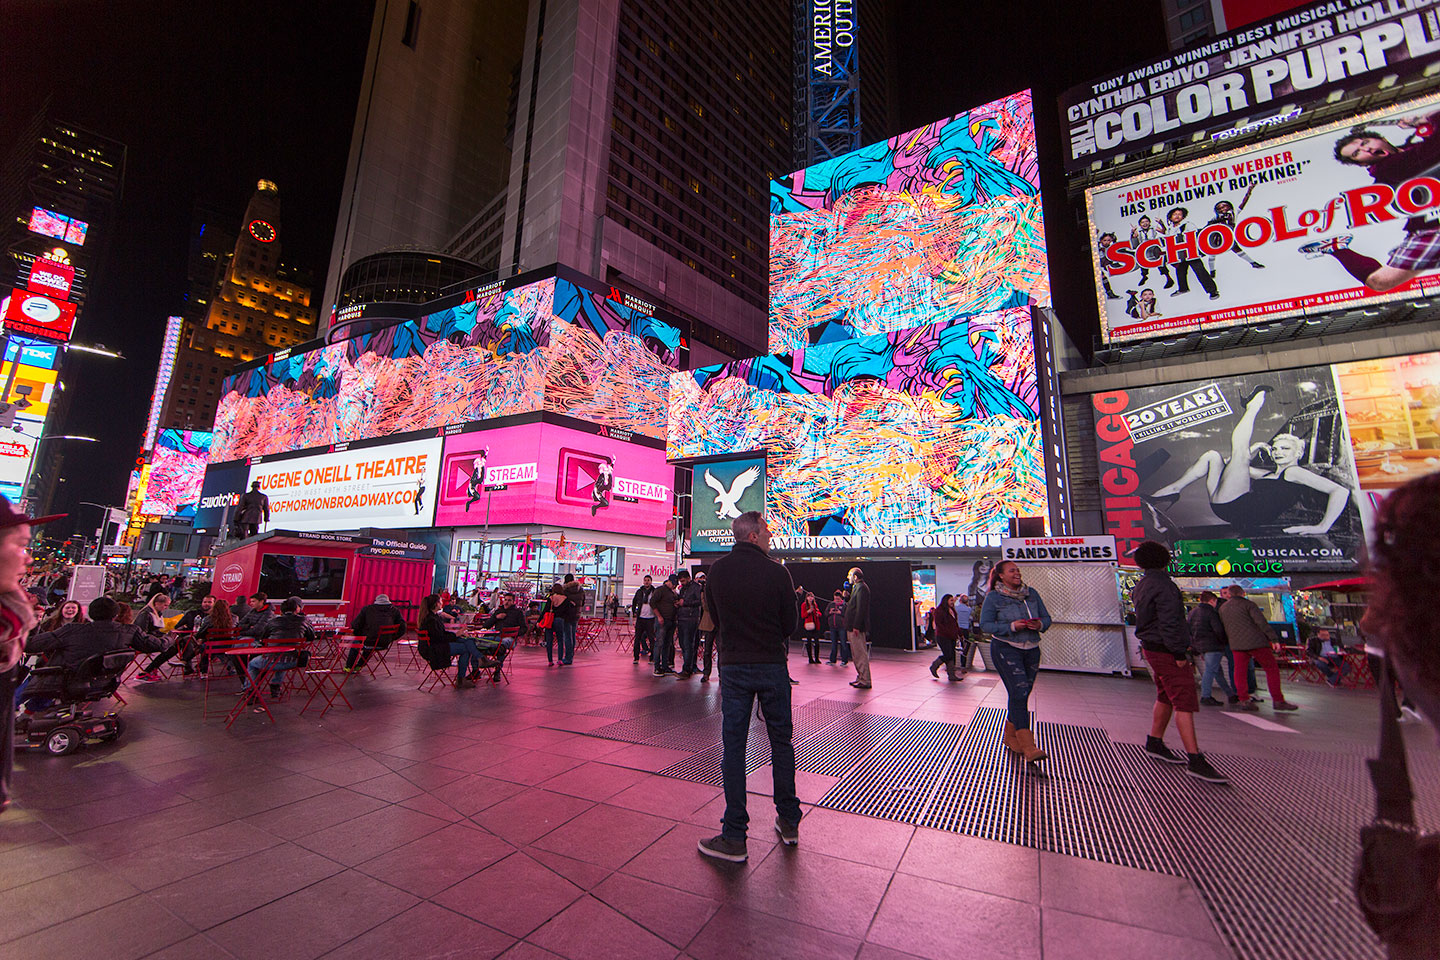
pixel 1022 594
pixel 17 619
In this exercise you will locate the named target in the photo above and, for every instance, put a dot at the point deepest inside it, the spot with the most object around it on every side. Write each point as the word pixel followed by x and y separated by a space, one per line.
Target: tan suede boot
pixel 1026 739
pixel 1009 740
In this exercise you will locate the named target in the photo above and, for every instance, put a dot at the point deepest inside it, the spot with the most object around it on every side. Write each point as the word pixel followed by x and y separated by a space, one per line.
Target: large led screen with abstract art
pixel 938 223
pixel 933 431
pixel 548 345
pixel 177 471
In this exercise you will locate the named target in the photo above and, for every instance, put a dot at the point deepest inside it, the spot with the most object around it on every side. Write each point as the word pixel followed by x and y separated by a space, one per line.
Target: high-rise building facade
pixel 256 306
pixel 640 137
pixel 429 148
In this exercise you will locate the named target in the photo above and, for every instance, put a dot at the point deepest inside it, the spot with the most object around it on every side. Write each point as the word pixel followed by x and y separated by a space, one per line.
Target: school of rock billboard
pixel 1263 457
pixel 1342 215
pixel 1265 73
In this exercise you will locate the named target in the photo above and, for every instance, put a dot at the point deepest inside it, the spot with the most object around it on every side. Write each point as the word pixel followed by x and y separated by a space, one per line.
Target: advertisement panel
pixel 1392 409
pixel 31 391
pixel 32 353
pixel 391 486
pixel 554 475
pixel 1264 72
pixel 177 473
pixel 1264 458
pixel 1344 215
pixel 51 277
pixel 220 492
pixel 36 315
pixel 936 223
pixel 920 439
pixel 551 345
pixel 48 223
pixel 720 491
pixel 17 448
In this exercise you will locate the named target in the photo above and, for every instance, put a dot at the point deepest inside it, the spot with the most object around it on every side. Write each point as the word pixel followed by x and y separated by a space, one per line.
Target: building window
pixel 1193 18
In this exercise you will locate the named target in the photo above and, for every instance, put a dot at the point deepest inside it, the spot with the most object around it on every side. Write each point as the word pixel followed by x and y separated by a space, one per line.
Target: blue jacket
pixel 999 611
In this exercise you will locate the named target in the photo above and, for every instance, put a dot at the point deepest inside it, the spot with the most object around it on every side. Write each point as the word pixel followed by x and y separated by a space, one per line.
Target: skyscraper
pixel 256 305
pixel 641 136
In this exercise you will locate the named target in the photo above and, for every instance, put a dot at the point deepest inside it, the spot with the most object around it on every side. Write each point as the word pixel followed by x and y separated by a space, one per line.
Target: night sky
pixel 209 99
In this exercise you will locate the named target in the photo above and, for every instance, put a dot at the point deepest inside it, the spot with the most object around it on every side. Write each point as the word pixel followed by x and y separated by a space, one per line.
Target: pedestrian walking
pixel 1014 616
pixel 1250 636
pixel 1207 638
pixel 857 627
pixel 752 602
pixel 965 623
pixel 1165 644
pixel 947 634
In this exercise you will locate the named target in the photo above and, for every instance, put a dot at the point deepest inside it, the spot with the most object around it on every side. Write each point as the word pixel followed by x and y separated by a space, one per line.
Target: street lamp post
pixel 30 470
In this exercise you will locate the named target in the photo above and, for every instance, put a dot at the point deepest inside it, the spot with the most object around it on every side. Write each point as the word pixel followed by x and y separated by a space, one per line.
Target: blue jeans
pixel 689 631
pixel 469 654
pixel 1018 669
pixel 281 662
pixel 839 645
pixel 1213 672
pixel 551 632
pixel 665 645
pixel 740 685
pixel 566 635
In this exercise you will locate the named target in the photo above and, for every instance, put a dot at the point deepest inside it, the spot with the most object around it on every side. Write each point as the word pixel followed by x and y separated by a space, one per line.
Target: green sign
pixel 1220 558
pixel 719 492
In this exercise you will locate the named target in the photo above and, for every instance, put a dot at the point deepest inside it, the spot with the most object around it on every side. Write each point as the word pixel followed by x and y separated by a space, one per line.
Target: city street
pixel 559 815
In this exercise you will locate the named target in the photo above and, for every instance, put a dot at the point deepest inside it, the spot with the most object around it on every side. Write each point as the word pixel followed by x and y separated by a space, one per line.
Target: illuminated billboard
pixel 37 315
pixel 387 485
pixel 1344 215
pixel 721 490
pixel 934 224
pixel 177 472
pixel 51 277
pixel 918 438
pixel 544 473
pixel 48 223
pixel 551 345
pixel 169 348
pixel 1262 457
pixel 31 391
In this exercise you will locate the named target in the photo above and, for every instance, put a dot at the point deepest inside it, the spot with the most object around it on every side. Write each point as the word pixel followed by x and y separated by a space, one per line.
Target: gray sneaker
pixel 722 848
pixel 789 832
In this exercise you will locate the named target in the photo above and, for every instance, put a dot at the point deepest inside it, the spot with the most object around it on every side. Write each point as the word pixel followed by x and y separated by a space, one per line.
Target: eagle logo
pixel 726 500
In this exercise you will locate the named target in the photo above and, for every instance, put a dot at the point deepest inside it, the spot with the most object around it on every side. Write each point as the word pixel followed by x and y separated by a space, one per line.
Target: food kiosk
pixel 1076 577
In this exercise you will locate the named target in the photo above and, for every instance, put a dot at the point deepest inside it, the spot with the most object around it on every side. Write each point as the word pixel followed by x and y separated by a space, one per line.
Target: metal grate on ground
pixel 639 708
pixel 654 725
pixel 1253 862
pixel 895 781
pixel 841 745
pixel 808 719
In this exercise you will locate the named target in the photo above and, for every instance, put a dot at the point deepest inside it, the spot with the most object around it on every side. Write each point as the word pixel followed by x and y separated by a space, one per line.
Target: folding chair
pixel 413 662
pixel 435 678
pixel 502 667
pixel 386 638
pixel 329 679
pixel 217 651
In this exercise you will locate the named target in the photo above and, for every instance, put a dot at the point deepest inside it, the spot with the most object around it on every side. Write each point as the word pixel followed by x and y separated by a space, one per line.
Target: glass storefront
pixel 527 567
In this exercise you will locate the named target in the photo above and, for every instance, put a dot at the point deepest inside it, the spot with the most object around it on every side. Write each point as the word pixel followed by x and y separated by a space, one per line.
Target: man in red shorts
pixel 1165 641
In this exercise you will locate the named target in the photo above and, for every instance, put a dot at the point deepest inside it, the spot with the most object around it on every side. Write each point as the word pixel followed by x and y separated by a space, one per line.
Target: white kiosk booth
pixel 1076 577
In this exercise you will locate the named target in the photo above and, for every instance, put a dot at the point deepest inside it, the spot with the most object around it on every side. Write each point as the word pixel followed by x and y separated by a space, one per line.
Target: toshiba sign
pixel 51 277
pixel 40 316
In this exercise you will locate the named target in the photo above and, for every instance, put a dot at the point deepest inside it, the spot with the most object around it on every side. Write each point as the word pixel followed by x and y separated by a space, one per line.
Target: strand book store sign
pixel 1343 215
pixel 1253 74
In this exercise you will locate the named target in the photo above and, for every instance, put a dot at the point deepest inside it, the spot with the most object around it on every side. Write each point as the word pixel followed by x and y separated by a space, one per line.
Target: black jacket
pixel 575 601
pixel 642 597
pixel 662 601
pixel 374 617
pixel 1160 615
pixel 857 608
pixel 751 598
pixel 1207 630
pixel 687 606
pixel 506 618
pixel 253 507
pixel 435 640
pixel 75 643
pixel 288 626
pixel 252 622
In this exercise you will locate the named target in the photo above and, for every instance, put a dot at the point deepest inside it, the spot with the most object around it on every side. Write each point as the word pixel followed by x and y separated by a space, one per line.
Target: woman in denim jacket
pixel 1014 616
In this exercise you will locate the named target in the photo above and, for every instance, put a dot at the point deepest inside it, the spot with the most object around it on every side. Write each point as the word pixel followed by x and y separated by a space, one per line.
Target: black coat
pixel 1207 630
pixel 1160 615
pixel 75 643
pixel 374 617
pixel 751 598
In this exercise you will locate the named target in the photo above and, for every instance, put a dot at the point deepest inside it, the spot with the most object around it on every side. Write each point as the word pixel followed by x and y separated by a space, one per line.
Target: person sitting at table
pixel 74 643
pixel 289 627
pixel 184 643
pixel 378 624
pixel 508 618
pixel 459 646
pixel 1328 656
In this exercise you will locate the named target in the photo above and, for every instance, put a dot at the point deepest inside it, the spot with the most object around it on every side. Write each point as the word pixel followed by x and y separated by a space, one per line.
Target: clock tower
pixel 256 307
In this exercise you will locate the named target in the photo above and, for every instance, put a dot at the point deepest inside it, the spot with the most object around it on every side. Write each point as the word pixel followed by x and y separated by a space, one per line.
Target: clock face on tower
pixel 262 231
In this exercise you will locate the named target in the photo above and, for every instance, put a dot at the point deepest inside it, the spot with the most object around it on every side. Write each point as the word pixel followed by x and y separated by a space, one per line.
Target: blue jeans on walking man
pixel 741 684
pixel 1214 661
pixel 689 631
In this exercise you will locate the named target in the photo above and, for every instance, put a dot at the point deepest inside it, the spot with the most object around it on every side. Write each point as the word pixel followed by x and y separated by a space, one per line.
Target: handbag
pixel 547 619
pixel 1398 868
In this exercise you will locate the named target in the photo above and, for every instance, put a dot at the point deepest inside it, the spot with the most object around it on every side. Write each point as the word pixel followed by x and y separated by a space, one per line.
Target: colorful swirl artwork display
pixel 549 345
pixel 933 429
pixel 176 473
pixel 937 223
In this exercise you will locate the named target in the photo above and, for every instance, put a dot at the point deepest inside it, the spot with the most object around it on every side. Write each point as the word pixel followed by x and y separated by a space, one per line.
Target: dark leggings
pixel 1018 670
pixel 947 653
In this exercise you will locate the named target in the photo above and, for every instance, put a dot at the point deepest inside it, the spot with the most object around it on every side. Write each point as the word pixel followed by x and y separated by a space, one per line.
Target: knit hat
pixel 382 599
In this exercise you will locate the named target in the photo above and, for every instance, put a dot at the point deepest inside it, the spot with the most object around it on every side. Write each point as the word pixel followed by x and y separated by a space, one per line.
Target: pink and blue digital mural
pixel 937 223
pixel 177 471
pixel 548 345
pixel 932 429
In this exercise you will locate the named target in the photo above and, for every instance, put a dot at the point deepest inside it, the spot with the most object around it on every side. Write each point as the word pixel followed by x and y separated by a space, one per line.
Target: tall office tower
pixel 844 74
pixel 257 306
pixel 429 148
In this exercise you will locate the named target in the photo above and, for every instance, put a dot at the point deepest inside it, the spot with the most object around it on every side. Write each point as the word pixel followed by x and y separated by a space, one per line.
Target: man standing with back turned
pixel 752 601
